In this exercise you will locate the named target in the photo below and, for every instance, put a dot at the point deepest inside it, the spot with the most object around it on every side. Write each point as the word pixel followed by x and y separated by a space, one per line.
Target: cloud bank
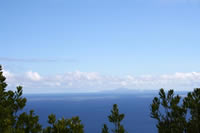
pixel 77 81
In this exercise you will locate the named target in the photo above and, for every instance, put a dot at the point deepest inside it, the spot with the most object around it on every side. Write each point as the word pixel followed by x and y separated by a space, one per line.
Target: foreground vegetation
pixel 173 114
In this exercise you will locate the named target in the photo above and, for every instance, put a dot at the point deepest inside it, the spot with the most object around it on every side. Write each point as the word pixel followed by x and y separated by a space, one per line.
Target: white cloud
pixel 7 74
pixel 33 76
pixel 91 81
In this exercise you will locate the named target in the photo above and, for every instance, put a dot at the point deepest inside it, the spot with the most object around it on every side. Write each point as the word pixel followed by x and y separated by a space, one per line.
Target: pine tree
pixel 192 104
pixel 10 103
pixel 169 113
pixel 105 129
pixel 63 125
pixel 116 119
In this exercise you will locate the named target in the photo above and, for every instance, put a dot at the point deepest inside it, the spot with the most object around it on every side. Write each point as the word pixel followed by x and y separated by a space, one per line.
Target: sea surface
pixel 93 109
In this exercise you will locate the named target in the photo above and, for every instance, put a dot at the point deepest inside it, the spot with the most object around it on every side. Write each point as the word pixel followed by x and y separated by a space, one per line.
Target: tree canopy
pixel 115 117
pixel 176 115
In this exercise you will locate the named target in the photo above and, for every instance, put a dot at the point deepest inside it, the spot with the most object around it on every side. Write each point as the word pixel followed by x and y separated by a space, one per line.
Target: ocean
pixel 93 109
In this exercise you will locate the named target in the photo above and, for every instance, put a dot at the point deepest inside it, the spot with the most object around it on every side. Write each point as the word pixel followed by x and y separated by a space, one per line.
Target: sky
pixel 56 46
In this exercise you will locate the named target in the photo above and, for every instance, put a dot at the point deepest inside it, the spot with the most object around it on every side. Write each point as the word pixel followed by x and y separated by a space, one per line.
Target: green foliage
pixel 171 113
pixel 171 117
pixel 192 103
pixel 28 123
pixel 63 125
pixel 10 103
pixel 105 129
pixel 116 119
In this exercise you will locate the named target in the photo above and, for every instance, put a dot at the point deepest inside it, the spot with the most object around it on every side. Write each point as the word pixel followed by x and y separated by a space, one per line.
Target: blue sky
pixel 109 37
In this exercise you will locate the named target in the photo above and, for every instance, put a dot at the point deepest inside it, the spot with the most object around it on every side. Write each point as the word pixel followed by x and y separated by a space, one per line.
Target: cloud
pixel 34 76
pixel 93 82
pixel 7 74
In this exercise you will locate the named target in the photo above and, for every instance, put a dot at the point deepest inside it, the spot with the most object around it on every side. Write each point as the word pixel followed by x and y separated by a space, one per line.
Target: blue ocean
pixel 93 109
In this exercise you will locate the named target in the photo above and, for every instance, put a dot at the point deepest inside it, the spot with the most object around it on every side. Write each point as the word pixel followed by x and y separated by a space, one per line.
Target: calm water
pixel 93 109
